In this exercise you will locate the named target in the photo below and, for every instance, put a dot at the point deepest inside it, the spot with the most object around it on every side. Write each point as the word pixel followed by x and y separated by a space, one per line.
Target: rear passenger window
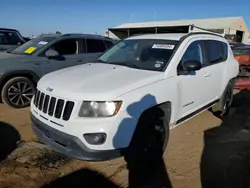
pixel 214 52
pixel 95 46
pixel 108 44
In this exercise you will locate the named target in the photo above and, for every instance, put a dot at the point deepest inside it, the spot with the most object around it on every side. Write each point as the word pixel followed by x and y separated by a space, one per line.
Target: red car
pixel 242 55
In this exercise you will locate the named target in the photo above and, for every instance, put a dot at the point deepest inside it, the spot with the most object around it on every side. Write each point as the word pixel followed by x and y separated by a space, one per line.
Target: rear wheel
pixel 150 137
pixel 222 108
pixel 18 92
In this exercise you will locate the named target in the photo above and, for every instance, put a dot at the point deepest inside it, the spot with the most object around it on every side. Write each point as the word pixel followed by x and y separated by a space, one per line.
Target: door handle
pixel 207 74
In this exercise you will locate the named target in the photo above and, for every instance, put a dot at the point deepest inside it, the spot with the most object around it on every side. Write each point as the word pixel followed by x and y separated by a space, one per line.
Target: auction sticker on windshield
pixel 163 46
pixel 30 50
pixel 43 42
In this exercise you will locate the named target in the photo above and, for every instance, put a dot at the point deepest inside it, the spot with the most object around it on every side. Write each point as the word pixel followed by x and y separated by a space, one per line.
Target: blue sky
pixel 95 16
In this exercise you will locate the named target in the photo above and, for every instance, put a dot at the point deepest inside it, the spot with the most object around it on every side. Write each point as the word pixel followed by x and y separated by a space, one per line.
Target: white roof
pixel 210 23
pixel 159 36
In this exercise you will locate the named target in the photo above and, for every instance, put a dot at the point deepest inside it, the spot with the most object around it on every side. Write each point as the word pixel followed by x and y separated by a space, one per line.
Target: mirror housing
pixel 51 53
pixel 191 65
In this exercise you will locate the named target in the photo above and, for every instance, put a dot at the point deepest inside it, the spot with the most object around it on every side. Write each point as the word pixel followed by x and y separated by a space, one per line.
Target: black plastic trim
pixel 70 145
pixel 197 111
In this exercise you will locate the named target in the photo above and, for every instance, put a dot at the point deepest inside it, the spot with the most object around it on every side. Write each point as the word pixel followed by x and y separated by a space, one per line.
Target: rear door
pixel 217 66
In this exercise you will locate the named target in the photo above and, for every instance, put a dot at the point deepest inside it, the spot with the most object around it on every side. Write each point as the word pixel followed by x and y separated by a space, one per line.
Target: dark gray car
pixel 10 39
pixel 21 68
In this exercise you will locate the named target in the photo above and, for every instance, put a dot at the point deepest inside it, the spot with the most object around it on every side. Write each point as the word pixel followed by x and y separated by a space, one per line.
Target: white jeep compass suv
pixel 133 95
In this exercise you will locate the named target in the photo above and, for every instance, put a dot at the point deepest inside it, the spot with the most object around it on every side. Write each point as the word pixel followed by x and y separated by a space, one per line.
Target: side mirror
pixel 191 65
pixel 51 53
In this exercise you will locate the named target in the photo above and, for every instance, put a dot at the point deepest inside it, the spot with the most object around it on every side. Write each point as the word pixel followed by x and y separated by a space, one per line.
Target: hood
pixel 243 59
pixel 97 81
pixel 5 55
pixel 8 61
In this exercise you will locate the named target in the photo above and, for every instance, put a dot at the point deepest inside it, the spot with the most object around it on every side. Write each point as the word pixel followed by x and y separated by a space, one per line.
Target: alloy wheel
pixel 20 93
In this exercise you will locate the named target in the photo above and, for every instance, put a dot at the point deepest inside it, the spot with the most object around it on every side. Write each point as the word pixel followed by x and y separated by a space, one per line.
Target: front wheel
pixel 18 92
pixel 150 137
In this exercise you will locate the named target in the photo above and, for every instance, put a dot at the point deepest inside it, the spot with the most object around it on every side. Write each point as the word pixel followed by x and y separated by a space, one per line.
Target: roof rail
pixel 203 33
pixel 8 29
pixel 192 26
pixel 198 33
pixel 84 34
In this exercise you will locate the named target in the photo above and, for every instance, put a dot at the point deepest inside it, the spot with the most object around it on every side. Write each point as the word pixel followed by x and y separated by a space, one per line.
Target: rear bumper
pixel 70 145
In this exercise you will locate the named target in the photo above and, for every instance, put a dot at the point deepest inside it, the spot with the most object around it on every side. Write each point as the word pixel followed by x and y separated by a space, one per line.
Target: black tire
pixel 18 92
pixel 223 106
pixel 150 137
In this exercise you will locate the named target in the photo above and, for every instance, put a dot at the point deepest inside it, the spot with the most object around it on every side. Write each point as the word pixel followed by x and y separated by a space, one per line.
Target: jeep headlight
pixel 99 108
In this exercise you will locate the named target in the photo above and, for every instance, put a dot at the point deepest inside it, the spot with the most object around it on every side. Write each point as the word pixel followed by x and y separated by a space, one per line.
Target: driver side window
pixel 66 47
pixel 195 52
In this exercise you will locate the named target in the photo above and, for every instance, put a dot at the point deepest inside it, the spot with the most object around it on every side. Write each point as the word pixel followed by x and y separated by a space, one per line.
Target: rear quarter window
pixel 95 46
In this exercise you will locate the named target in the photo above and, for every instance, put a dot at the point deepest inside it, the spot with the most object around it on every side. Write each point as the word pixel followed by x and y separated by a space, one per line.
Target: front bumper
pixel 70 145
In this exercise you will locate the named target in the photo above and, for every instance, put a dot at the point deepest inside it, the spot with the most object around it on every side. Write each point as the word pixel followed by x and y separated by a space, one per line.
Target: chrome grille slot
pixel 58 108
pixel 46 104
pixel 52 106
pixel 40 105
pixel 37 98
pixel 68 110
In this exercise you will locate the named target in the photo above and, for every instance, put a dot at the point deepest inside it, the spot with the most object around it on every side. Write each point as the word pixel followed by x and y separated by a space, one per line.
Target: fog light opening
pixel 95 138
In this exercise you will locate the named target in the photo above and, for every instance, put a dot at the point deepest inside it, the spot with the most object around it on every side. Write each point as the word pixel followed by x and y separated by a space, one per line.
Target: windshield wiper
pixel 100 61
pixel 127 64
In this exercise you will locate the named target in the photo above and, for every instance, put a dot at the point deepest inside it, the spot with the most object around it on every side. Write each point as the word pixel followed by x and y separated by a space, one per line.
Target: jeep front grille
pixel 52 106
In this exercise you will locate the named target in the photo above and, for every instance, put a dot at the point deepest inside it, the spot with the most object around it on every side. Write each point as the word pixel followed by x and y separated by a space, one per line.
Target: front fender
pixel 10 74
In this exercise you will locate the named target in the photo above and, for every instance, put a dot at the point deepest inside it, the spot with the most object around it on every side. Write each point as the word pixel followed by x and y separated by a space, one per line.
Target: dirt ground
pixel 206 152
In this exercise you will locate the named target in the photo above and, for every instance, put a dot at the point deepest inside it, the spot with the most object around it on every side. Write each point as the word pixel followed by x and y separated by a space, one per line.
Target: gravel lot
pixel 205 152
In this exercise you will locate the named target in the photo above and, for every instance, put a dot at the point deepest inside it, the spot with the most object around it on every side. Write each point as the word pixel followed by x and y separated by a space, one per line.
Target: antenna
pixel 155 14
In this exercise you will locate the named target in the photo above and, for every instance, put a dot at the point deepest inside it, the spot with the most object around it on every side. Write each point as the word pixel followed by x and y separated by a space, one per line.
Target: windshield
pixel 147 54
pixel 32 46
pixel 241 51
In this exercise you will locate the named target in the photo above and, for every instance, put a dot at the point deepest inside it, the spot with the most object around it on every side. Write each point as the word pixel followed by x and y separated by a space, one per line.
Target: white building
pixel 232 28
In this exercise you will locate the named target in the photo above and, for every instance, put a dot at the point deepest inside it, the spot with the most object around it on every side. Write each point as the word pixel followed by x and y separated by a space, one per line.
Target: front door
pixel 70 54
pixel 193 91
